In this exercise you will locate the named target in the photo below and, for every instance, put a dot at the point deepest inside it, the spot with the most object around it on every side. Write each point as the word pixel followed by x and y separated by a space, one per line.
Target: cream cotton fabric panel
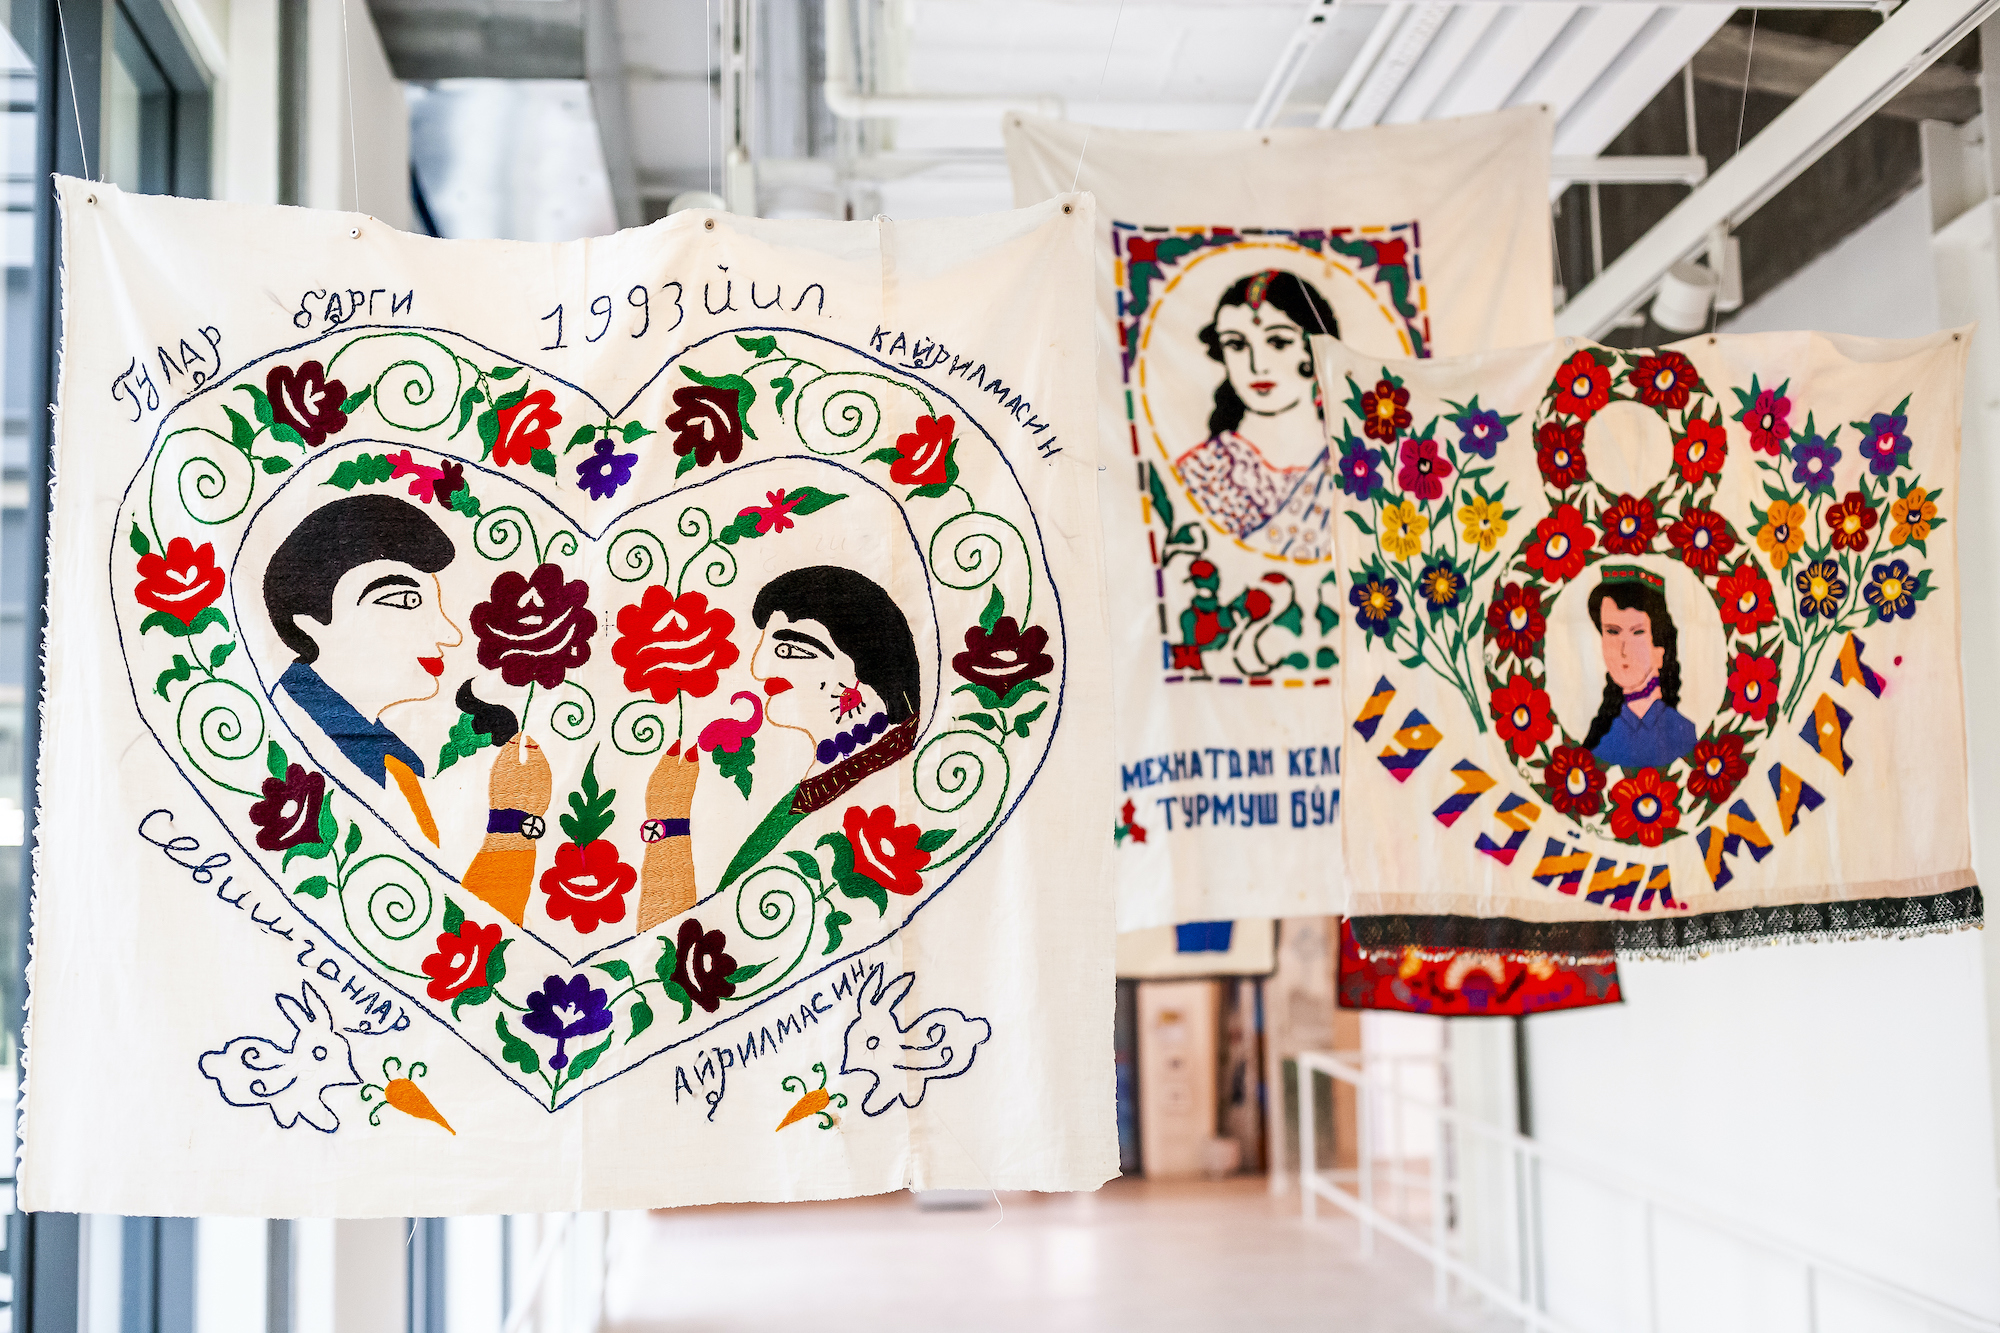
pixel 1218 254
pixel 548 727
pixel 1654 651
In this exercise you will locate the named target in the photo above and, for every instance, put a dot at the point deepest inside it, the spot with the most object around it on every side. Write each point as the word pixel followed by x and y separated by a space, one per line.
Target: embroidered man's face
pixel 385 642
pixel 809 683
pixel 1266 358
pixel 1627 639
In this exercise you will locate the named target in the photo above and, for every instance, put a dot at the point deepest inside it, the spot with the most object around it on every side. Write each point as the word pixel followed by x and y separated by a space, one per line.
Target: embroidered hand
pixel 518 790
pixel 666 877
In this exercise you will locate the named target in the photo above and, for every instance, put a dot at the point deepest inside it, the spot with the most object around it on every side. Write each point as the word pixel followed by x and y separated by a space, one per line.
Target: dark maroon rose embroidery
pixel 707 422
pixel 1004 656
pixel 288 816
pixel 307 401
pixel 534 629
pixel 702 968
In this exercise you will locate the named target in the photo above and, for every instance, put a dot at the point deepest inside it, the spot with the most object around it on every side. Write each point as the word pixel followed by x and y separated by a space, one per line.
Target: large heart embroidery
pixel 591 729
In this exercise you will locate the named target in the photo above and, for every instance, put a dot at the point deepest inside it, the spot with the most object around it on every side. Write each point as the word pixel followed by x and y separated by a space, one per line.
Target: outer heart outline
pixel 891 927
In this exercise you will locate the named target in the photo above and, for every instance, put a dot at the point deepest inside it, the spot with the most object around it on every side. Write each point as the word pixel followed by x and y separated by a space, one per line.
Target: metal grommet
pixel 709 225
pixel 1068 209
pixel 354 233
pixel 1954 337
pixel 1267 140
pixel 90 199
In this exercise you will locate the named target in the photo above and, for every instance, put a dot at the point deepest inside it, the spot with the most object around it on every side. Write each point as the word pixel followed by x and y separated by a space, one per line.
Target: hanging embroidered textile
pixel 1470 983
pixel 527 722
pixel 1653 651
pixel 1198 949
pixel 1218 254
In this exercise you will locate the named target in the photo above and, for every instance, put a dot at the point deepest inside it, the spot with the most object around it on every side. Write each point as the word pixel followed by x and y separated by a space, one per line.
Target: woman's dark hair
pixel 1635 597
pixel 495 720
pixel 864 622
pixel 1291 294
pixel 332 540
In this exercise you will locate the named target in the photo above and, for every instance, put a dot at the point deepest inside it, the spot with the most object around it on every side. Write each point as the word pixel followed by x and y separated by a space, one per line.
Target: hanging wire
pixel 353 148
pixel 1742 113
pixel 708 60
pixel 76 107
pixel 1102 74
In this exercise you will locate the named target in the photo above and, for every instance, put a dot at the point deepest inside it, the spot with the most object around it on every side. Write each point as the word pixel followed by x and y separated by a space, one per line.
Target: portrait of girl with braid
pixel 1637 724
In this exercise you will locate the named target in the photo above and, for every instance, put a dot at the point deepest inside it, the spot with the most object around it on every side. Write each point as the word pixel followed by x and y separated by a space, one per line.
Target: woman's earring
pixel 1306 368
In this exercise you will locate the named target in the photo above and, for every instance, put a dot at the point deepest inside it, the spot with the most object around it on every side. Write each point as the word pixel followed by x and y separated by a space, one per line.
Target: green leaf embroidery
pixel 259 403
pixel 311 851
pixel 888 455
pixel 807 863
pixel 811 499
pixel 617 967
pixel 465 502
pixel 462 743
pixel 353 839
pixel 1327 618
pixel 509 399
pixel 471 999
pixel 496 963
pixel 746 393
pixel 984 721
pixel 642 1017
pixel 179 671
pixel 784 386
pixel 634 431
pixel 274 760
pixel 1292 618
pixel 140 546
pixel 504 373
pixel 356 399
pixel 983 693
pixel 852 882
pixel 592 808
pixel 996 606
pixel 221 654
pixel 489 433
pixel 676 993
pixel 663 966
pixel 758 347
pixel 514 1050
pixel 362 469
pixel 241 432
pixel 273 465
pixel 835 919
pixel 584 434
pixel 1021 722
pixel 686 464
pixel 543 461
pixel 1022 691
pixel 736 767
pixel 1161 504
pixel 329 827
pixel 465 404
pixel 281 431
pixel 933 839
pixel 454 918
pixel 744 973
pixel 314 887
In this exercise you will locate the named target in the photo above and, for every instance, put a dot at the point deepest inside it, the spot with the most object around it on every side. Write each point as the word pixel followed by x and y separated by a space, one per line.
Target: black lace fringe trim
pixel 1679 936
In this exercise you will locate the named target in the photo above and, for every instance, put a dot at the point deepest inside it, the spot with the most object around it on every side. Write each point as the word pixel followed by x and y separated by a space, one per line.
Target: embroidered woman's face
pixel 809 684
pixel 384 644
pixel 1630 654
pixel 1266 357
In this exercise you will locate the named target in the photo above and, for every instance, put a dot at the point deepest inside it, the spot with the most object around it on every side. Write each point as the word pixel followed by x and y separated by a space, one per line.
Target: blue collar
pixel 366 744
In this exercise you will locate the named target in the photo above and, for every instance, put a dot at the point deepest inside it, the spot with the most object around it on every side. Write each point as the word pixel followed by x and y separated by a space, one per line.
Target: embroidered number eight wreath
pixel 1588 525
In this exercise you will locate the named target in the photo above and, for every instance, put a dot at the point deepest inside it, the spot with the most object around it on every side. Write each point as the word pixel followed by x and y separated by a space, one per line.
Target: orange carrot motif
pixel 812 1103
pixel 404 1095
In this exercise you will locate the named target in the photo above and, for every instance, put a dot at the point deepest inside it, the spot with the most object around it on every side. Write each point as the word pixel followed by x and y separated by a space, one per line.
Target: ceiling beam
pixel 1305 39
pixel 1906 44
pixel 1787 64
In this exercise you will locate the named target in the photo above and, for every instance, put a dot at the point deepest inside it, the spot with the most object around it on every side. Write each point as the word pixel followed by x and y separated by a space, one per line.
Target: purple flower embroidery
pixel 1814 464
pixel 1480 432
pixel 1885 446
pixel 566 1009
pixel 1357 468
pixel 604 472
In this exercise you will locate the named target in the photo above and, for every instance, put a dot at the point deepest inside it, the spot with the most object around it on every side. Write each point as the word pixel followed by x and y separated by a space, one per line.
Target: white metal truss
pixel 1873 72
pixel 1305 39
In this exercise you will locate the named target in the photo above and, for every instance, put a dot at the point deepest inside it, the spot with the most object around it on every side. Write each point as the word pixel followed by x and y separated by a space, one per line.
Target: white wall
pixel 362 163
pixel 1833 1094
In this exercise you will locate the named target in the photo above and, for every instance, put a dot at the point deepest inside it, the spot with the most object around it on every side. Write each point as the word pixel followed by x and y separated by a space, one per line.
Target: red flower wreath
pixel 1716 767
pixel 1663 380
pixel 1746 600
pixel 1559 454
pixel 1582 387
pixel 1561 542
pixel 1516 621
pixel 1521 712
pixel 1700 452
pixel 1645 807
pixel 1702 538
pixel 1629 526
pixel 1576 783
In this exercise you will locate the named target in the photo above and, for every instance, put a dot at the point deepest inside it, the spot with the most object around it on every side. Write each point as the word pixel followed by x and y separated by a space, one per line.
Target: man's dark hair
pixel 1289 292
pixel 864 622
pixel 332 540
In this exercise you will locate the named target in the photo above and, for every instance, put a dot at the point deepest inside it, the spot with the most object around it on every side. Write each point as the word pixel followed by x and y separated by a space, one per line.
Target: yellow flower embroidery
pixel 1484 526
pixel 1783 533
pixel 1403 530
pixel 1912 515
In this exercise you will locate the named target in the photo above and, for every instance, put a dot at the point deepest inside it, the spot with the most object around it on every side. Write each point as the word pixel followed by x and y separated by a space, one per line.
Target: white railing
pixel 1525 1298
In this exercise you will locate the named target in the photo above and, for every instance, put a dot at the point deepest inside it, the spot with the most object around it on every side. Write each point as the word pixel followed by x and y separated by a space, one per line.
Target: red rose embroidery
pixel 1576 783
pixel 1702 538
pixel 884 850
pixel 587 885
pixel 307 401
pixel 1516 620
pixel 1582 386
pixel 1561 542
pixel 181 583
pixel 288 816
pixel 1716 767
pixel 668 644
pixel 1645 807
pixel 1521 712
pixel 1746 600
pixel 707 423
pixel 534 629
pixel 1753 686
pixel 459 965
pixel 1700 452
pixel 1629 526
pixel 1559 454
pixel 925 454
pixel 525 427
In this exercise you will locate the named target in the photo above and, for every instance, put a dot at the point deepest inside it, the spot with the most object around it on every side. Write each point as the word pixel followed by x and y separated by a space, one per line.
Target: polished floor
pixel 1161 1258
